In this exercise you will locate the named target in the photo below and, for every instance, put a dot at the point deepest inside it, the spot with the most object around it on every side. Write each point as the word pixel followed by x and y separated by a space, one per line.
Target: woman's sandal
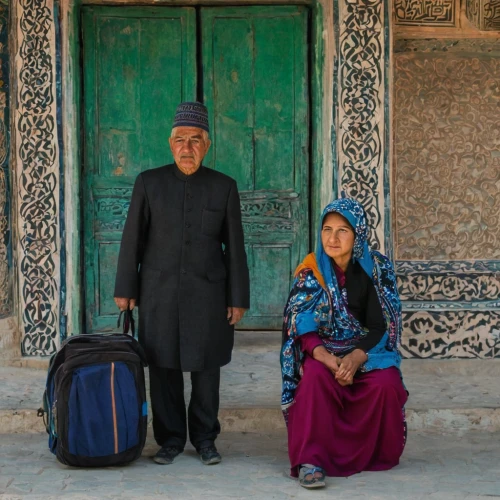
pixel 314 482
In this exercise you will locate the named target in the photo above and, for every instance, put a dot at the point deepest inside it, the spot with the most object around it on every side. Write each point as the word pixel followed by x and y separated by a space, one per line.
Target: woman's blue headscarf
pixel 355 215
pixel 319 306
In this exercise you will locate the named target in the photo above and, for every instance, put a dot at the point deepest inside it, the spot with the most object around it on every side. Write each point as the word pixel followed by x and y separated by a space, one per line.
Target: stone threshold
pixel 453 422
pixel 452 396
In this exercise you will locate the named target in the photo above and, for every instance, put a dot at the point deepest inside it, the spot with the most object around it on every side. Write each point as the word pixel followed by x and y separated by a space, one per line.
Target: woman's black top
pixel 363 303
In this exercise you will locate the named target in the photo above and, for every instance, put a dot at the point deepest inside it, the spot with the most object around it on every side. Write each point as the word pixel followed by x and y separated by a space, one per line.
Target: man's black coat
pixel 172 260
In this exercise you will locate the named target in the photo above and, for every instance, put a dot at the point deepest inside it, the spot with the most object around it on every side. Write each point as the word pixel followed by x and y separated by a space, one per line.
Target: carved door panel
pixel 138 64
pixel 255 82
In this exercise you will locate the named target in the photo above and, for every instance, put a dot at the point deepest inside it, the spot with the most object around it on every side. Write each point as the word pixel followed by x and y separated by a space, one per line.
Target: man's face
pixel 189 147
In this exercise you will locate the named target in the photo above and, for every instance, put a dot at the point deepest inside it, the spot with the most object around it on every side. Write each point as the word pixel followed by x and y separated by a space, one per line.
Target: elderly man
pixel 183 262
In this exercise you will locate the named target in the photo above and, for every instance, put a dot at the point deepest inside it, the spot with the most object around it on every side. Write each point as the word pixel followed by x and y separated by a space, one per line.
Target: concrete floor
pixel 453 449
pixel 255 466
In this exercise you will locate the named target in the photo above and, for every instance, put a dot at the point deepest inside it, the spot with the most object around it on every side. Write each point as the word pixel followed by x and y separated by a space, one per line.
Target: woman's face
pixel 337 237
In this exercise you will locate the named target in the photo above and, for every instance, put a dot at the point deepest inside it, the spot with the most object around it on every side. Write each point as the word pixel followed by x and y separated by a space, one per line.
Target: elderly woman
pixel 343 396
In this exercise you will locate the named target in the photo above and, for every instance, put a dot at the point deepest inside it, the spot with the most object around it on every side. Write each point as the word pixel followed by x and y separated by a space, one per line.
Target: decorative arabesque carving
pixel 257 208
pixel 262 211
pixel 38 178
pixel 450 287
pixel 447 130
pixel 361 102
pixel 115 207
pixel 425 12
pixel 5 291
pixel 449 334
pixel 472 284
pixel 491 15
pixel 484 14
pixel 473 12
pixel 268 211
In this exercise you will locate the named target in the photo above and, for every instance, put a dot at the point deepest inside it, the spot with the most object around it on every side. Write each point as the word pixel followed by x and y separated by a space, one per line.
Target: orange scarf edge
pixel 310 263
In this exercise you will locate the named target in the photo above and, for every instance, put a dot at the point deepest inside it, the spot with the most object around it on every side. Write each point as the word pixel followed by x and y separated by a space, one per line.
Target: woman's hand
pixel 323 356
pixel 349 366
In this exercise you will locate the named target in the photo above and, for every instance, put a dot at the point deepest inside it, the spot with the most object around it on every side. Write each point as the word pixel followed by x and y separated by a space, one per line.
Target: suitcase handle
pixel 128 322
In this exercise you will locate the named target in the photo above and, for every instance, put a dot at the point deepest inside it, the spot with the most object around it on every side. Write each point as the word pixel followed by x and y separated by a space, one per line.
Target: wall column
pixel 37 177
pixel 361 110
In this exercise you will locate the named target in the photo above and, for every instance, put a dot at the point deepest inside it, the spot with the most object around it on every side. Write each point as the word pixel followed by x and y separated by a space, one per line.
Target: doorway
pixel 250 67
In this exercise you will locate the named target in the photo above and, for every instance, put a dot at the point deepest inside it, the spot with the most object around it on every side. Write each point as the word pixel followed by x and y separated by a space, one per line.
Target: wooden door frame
pixel 322 53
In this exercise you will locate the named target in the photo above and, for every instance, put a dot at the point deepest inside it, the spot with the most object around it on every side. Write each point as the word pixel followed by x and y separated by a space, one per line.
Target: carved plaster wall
pixel 447 195
pixel 447 149
pixel 37 172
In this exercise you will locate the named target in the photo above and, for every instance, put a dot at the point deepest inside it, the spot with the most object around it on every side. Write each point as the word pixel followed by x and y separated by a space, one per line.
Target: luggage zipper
pixel 113 405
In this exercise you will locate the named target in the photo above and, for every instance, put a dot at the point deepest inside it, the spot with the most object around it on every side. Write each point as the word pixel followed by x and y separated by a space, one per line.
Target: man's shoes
pixel 209 455
pixel 166 455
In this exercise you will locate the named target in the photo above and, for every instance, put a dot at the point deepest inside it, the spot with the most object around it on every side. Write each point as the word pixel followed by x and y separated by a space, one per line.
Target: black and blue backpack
pixel 94 404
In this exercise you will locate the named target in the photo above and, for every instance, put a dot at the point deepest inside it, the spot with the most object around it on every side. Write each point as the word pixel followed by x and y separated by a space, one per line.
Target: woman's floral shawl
pixel 316 304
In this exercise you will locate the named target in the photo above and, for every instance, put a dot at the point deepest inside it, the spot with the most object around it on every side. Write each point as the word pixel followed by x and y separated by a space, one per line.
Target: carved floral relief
pixel 447 334
pixel 37 178
pixel 447 156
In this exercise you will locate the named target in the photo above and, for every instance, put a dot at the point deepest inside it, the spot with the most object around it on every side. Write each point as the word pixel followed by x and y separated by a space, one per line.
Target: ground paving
pixel 254 466
pixel 448 456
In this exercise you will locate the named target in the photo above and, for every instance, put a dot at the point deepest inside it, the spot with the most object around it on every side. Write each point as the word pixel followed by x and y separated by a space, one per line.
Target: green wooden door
pixel 138 64
pixel 255 83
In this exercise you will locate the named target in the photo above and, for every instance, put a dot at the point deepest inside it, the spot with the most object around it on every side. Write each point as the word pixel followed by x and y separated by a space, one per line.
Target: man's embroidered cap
pixel 191 114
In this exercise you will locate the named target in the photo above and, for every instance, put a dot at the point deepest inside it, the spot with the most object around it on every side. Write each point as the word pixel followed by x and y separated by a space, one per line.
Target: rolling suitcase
pixel 95 407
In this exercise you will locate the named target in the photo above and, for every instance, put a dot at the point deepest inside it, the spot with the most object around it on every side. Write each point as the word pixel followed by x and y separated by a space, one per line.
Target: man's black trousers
pixel 170 425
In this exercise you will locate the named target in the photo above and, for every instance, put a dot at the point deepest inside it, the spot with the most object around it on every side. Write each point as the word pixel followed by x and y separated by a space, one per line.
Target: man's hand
pixel 234 314
pixel 321 354
pixel 124 303
pixel 349 366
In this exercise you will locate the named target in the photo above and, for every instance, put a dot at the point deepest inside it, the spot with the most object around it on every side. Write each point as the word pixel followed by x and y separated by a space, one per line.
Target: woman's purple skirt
pixel 348 429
